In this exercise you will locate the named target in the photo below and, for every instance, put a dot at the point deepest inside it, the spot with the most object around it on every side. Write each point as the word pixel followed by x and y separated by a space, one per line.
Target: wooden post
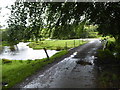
pixel 74 43
pixel 79 42
pixel 105 44
pixel 82 40
pixel 46 53
pixel 66 45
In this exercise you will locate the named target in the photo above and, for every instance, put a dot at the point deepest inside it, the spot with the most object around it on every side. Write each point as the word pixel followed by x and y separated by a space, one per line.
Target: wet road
pixel 67 73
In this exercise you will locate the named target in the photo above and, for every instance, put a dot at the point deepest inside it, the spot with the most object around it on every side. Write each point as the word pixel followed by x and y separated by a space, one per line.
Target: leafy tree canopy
pixel 30 18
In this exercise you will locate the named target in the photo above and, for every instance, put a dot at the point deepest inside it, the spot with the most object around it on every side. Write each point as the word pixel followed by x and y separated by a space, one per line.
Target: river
pixel 24 52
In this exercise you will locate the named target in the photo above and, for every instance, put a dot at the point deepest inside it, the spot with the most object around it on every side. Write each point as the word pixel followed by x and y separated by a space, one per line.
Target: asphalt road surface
pixel 69 74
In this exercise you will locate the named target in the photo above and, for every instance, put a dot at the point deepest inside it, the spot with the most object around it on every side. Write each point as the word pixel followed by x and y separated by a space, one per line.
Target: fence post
pixel 46 53
pixel 66 45
pixel 79 41
pixel 105 44
pixel 74 43
pixel 82 40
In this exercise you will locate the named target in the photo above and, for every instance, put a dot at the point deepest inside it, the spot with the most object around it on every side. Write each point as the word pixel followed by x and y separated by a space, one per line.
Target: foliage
pixel 109 62
pixel 109 79
pixel 32 20
pixel 105 57
pixel 11 72
pixel 105 14
pixel 112 49
pixel 117 51
pixel 111 45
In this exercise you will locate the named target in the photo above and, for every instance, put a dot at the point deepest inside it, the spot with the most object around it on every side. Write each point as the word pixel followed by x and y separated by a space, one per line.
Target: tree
pixel 63 18
pixel 107 16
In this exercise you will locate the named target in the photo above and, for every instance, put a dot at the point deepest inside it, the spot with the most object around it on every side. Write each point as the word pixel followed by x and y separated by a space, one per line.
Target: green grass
pixel 108 38
pixel 56 44
pixel 4 43
pixel 16 71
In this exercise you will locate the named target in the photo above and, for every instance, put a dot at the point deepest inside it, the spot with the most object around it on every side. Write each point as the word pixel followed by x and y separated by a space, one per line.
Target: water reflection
pixel 22 52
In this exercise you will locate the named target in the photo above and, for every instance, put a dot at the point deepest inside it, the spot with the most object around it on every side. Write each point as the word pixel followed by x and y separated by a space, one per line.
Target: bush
pixel 117 50
pixel 92 34
pixel 111 45
pixel 106 57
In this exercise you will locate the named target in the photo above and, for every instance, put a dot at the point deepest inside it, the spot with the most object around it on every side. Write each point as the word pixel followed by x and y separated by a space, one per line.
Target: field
pixel 56 44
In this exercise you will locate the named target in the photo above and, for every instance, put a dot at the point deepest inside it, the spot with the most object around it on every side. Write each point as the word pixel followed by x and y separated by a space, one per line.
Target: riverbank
pixel 13 69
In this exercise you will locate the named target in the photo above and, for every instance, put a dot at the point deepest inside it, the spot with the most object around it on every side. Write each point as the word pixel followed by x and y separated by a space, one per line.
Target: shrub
pixel 111 45
pixel 117 49
pixel 92 34
pixel 105 57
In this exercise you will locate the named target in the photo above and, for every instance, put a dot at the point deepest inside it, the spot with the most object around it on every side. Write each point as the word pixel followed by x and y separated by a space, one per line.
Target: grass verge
pixel 15 71
pixel 56 44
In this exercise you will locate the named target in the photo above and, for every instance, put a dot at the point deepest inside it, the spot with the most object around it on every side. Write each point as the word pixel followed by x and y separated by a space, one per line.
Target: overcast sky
pixel 5 12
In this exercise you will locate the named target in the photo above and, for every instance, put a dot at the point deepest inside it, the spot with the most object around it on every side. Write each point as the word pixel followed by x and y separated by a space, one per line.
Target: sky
pixel 5 12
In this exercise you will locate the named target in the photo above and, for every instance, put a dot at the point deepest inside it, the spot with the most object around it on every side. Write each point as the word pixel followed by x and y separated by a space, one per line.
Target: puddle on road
pixel 81 62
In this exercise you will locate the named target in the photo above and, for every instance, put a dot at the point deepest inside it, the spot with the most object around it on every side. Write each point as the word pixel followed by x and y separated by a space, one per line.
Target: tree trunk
pixel 36 39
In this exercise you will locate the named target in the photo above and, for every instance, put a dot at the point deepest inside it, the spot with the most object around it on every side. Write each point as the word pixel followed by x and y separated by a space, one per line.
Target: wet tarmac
pixel 68 74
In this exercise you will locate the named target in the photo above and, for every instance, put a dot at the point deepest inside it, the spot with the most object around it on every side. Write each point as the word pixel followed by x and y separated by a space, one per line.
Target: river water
pixel 23 52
